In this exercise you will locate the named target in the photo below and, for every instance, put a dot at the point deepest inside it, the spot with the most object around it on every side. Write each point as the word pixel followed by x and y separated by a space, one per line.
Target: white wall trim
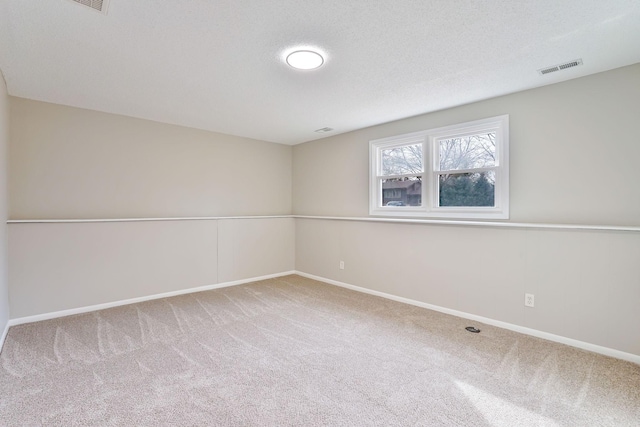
pixel 4 334
pixel 195 218
pixel 516 328
pixel 96 307
pixel 497 224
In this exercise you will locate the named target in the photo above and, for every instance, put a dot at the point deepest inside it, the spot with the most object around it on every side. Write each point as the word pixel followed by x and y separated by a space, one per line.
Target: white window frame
pixel 430 188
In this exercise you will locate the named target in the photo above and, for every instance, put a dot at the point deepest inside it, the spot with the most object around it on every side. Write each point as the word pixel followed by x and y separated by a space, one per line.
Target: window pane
pixel 467 189
pixel 402 192
pixel 402 160
pixel 468 152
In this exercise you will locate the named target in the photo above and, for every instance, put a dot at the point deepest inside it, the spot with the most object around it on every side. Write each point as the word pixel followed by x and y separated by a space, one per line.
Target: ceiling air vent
pixel 323 130
pixel 98 5
pixel 564 66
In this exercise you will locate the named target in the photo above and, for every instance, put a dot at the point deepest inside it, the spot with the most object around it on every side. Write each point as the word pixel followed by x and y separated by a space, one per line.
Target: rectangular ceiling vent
pixel 323 130
pixel 97 5
pixel 564 66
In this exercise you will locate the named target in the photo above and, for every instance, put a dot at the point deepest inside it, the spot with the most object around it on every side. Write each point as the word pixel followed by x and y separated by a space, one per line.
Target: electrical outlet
pixel 528 300
pixel 341 265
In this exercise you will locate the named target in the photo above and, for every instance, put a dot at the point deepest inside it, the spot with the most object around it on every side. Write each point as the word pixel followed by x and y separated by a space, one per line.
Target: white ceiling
pixel 218 64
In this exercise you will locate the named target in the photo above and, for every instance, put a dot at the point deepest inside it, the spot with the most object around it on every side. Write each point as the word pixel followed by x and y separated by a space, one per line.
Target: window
pixel 459 171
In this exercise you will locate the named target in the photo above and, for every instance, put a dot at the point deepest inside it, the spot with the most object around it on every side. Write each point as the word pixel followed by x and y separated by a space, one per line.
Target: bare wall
pixel 574 151
pixel 63 266
pixel 4 142
pixel 573 148
pixel 73 163
pixel 70 163
pixel 586 283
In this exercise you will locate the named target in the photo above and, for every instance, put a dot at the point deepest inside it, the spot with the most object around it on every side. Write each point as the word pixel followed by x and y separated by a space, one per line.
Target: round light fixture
pixel 305 59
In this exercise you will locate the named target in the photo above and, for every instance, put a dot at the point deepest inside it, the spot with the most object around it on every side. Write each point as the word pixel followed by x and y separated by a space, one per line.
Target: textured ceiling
pixel 218 64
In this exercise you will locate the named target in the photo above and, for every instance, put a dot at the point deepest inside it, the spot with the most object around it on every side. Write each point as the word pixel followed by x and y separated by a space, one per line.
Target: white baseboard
pixel 516 328
pixel 4 334
pixel 634 358
pixel 80 310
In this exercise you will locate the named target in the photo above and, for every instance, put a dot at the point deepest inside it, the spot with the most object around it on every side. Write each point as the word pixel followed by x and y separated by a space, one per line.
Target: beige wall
pixel 574 151
pixel 74 163
pixel 70 163
pixel 255 247
pixel 4 142
pixel 586 283
pixel 62 266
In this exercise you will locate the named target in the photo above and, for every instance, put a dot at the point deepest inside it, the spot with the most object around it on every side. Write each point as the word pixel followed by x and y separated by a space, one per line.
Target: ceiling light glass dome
pixel 305 59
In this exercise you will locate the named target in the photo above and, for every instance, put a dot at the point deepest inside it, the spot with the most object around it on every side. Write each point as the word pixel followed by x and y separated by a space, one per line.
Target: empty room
pixel 319 213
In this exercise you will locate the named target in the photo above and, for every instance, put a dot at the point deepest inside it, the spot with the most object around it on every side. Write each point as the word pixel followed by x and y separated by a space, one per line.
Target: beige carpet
pixel 295 352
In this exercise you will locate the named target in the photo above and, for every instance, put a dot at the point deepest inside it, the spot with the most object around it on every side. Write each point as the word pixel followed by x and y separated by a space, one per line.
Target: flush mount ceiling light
pixel 305 59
